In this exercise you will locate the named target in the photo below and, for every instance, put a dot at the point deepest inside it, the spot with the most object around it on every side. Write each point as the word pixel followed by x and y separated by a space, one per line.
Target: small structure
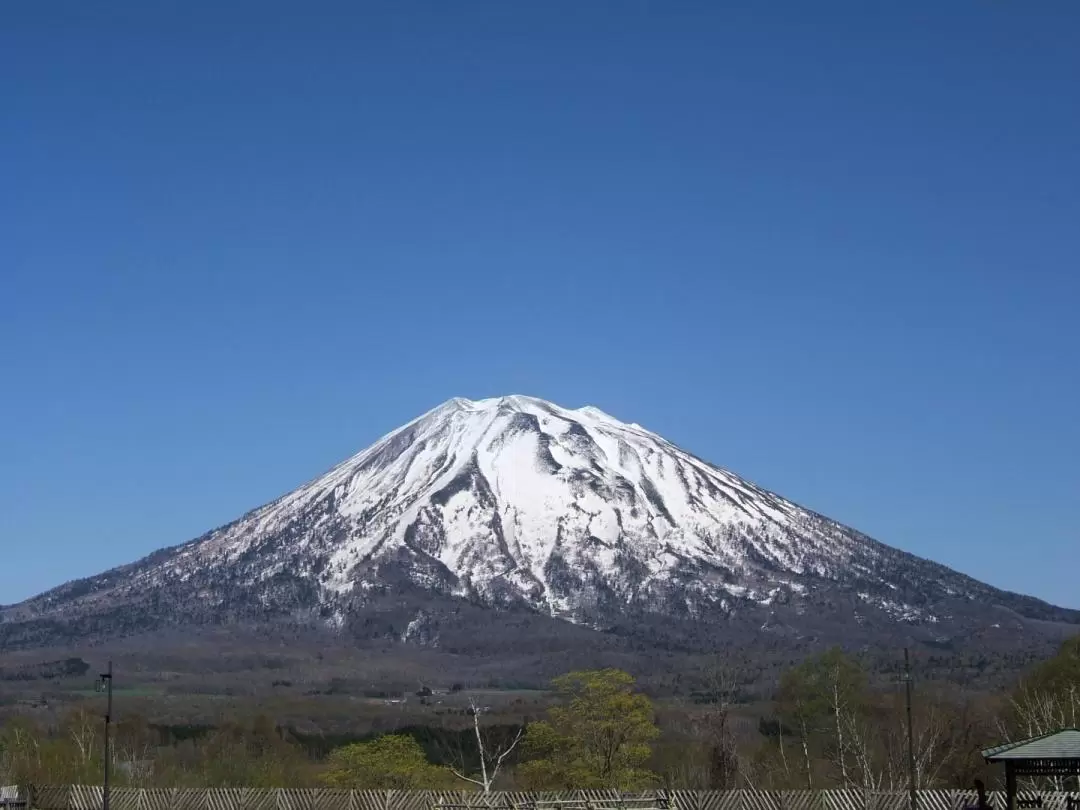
pixel 1056 754
pixel 11 798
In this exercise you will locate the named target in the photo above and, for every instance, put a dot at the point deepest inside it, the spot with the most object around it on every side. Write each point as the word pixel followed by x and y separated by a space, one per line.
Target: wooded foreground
pixel 827 727
pixel 82 797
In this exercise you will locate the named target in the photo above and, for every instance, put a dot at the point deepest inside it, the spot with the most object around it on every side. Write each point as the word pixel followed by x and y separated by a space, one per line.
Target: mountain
pixel 521 506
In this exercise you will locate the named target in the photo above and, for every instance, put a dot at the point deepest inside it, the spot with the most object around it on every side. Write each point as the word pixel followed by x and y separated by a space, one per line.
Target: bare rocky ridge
pixel 518 505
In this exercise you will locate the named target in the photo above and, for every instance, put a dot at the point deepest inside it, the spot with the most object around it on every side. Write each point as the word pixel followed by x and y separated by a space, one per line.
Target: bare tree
pixel 1041 711
pixel 876 772
pixel 804 737
pixel 933 747
pixel 878 745
pixel 492 753
pixel 703 752
pixel 783 754
pixel 714 725
pixel 842 716
pixel 133 744
pixel 83 730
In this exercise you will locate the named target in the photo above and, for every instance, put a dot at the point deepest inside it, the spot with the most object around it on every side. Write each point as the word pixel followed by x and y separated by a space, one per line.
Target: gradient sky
pixel 832 246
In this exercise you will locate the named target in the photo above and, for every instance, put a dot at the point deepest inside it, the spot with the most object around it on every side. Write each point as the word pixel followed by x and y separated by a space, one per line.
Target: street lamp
pixel 104 684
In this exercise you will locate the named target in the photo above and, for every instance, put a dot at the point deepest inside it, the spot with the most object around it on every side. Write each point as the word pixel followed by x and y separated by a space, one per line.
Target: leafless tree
pixel 876 745
pixel 843 716
pixel 933 747
pixel 83 730
pixel 714 725
pixel 804 737
pixel 875 771
pixel 1043 712
pixel 492 753
pixel 783 754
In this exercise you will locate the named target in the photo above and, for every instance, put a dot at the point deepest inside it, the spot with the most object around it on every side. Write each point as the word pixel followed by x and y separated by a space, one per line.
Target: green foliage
pixel 816 701
pixel 811 694
pixel 598 738
pixel 74 754
pixel 392 762
pixel 234 755
pixel 1061 674
pixel 825 728
pixel 239 755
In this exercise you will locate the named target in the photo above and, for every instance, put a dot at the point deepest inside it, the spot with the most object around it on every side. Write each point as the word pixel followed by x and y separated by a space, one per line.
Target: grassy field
pixel 119 692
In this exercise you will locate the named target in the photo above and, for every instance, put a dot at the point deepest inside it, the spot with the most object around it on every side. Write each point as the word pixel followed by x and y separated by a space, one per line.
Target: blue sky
pixel 831 246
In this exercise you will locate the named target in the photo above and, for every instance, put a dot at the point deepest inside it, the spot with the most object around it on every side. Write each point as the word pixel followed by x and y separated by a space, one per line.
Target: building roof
pixel 1060 745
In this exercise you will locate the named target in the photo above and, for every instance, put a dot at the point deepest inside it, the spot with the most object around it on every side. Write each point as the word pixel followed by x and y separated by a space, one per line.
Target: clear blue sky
pixel 833 246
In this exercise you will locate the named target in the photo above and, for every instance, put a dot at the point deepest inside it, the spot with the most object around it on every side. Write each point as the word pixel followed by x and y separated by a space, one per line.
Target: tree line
pixel 827 726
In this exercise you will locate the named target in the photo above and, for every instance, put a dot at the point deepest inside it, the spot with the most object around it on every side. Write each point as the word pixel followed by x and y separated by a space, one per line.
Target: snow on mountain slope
pixel 515 500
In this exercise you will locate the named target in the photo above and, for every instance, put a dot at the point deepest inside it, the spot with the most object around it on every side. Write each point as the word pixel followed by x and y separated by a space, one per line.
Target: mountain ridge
pixel 516 502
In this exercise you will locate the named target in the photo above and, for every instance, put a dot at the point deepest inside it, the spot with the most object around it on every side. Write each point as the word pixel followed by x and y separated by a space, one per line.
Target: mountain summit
pixel 514 502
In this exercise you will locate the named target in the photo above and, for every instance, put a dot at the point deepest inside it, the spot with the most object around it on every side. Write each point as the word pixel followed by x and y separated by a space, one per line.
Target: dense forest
pixel 827 724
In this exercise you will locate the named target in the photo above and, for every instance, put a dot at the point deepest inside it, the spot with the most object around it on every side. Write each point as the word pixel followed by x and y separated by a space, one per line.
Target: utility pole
pixel 105 684
pixel 910 734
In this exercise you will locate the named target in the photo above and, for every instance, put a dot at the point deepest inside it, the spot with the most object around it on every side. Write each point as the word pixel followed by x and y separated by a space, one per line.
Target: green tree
pixel 1060 674
pixel 598 738
pixel 819 701
pixel 73 755
pixel 391 762
pixel 249 753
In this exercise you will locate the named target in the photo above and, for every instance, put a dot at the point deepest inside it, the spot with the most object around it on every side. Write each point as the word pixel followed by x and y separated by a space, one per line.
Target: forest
pixel 827 724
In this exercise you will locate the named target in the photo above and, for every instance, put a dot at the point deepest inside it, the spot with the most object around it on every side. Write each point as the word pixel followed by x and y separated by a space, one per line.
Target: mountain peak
pixel 521 403
pixel 513 402
pixel 573 513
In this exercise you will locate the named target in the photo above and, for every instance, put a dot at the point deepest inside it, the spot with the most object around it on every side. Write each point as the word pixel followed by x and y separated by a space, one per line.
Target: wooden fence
pixel 12 798
pixel 82 797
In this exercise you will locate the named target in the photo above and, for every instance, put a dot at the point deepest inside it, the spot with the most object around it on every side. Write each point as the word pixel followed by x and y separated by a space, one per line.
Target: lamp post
pixel 105 681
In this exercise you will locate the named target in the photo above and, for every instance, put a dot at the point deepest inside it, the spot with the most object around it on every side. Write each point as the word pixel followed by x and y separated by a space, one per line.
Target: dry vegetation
pixel 256 719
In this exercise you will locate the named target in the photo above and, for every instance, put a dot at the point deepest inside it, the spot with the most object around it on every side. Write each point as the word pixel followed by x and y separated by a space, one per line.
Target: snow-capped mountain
pixel 516 501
